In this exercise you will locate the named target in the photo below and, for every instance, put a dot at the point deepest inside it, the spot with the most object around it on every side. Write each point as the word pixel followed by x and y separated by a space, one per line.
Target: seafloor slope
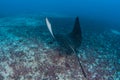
pixel 27 52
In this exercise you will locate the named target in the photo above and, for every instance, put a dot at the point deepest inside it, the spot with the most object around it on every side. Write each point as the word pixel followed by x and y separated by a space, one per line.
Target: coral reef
pixel 27 52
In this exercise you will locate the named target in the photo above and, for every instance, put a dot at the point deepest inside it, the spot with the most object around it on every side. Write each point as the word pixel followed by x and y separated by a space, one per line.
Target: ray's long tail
pixel 81 66
pixel 80 62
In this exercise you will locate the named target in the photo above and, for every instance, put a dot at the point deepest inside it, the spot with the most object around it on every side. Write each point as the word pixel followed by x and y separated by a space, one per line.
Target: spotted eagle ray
pixel 69 42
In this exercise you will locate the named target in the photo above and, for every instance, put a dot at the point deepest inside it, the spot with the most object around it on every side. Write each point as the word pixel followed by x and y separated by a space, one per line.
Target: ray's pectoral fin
pixel 49 27
pixel 76 35
pixel 76 38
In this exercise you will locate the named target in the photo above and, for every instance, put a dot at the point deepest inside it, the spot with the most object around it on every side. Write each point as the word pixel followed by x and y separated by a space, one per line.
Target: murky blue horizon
pixel 100 11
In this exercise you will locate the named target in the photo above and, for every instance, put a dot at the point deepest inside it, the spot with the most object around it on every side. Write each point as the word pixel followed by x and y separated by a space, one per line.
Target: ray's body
pixel 70 42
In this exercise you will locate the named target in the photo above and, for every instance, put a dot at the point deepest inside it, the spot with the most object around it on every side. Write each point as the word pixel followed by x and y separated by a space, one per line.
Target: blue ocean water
pixel 100 10
pixel 28 52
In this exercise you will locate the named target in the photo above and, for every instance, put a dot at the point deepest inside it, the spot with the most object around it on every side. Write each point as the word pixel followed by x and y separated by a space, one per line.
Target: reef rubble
pixel 27 52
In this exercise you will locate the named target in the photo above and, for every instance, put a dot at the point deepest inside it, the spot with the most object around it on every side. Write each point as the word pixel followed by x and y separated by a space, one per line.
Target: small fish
pixel 115 32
